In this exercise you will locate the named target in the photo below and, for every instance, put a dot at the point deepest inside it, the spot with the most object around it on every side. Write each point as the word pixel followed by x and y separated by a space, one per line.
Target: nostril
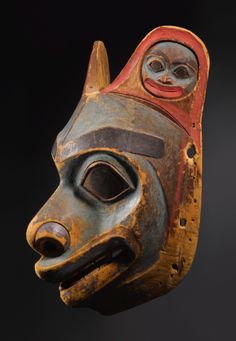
pixel 49 247
pixel 51 239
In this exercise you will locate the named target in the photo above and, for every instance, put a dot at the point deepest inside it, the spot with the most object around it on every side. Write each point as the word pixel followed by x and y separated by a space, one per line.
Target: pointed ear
pixel 98 74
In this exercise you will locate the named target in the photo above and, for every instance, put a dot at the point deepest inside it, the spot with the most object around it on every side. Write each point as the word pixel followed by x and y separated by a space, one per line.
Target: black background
pixel 45 49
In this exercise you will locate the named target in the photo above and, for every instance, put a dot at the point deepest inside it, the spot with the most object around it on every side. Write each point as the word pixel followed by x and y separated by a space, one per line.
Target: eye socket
pixel 182 72
pixel 156 65
pixel 105 182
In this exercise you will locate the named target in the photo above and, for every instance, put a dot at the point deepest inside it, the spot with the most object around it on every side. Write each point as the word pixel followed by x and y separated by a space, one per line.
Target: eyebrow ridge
pixel 122 139
pixel 180 62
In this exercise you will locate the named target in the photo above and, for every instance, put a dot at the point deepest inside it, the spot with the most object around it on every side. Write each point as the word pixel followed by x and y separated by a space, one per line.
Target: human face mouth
pixel 164 91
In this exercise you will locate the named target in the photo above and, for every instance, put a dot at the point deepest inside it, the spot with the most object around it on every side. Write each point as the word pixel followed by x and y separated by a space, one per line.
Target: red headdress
pixel 186 111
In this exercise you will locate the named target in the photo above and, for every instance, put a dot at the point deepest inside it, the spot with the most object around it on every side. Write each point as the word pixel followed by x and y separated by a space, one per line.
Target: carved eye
pixel 181 72
pixel 156 65
pixel 105 182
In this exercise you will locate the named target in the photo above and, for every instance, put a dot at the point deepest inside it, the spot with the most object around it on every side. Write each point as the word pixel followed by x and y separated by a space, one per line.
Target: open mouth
pixel 121 254
pixel 168 91
pixel 98 267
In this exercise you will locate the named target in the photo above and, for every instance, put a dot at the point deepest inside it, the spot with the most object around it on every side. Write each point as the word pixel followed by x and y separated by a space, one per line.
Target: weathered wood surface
pixel 122 227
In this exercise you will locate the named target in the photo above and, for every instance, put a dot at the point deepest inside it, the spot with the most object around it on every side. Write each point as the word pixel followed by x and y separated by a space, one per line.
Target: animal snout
pixel 51 239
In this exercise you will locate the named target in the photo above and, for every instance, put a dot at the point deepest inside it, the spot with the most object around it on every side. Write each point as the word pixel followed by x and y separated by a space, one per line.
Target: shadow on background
pixel 46 50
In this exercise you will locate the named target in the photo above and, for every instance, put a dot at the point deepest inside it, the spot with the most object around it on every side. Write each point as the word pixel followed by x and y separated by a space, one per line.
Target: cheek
pixel 147 73
pixel 187 84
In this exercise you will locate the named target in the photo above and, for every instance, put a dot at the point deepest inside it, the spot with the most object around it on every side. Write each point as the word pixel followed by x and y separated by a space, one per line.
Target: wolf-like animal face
pixel 122 226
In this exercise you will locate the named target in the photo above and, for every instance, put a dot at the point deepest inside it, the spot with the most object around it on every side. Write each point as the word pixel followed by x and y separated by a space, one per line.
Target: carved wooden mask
pixel 122 227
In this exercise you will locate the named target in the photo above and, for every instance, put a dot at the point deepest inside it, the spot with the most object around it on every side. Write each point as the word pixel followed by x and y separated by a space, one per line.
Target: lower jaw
pixel 90 284
pixel 110 256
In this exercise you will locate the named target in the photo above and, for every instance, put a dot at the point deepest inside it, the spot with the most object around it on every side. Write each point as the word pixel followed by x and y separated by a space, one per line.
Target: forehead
pixel 109 120
pixel 173 52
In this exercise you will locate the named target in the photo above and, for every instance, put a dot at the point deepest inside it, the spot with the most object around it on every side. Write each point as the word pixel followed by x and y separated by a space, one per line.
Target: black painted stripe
pixel 121 139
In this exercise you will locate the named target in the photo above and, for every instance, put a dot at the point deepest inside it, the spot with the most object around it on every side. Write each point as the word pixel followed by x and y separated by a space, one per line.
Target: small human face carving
pixel 169 70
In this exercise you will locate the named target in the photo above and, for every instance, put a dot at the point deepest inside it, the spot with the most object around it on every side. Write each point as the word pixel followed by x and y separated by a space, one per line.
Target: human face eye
pixel 182 71
pixel 156 65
